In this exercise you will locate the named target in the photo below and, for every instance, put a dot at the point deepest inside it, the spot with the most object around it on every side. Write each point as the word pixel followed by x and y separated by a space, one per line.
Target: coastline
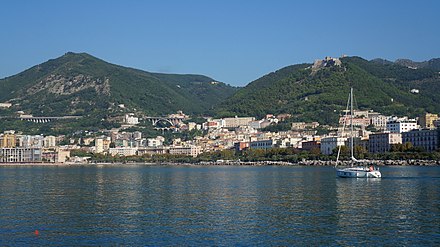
pixel 244 163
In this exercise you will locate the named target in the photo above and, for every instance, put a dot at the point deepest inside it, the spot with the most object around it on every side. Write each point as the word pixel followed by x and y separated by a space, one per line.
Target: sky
pixel 231 41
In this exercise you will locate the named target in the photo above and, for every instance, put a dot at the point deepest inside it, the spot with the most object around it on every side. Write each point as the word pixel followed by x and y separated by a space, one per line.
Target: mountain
pixel 80 84
pixel 430 64
pixel 318 92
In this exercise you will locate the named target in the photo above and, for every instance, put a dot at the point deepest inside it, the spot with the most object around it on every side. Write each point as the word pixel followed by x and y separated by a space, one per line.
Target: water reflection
pixel 154 205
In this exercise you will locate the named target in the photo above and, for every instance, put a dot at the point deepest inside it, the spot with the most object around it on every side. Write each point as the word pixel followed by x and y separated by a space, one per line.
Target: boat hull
pixel 358 172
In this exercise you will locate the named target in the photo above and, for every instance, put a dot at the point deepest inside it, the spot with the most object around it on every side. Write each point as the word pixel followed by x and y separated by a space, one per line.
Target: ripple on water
pixel 154 205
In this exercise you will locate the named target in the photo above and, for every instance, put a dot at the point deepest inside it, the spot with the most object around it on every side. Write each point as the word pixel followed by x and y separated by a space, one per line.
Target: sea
pixel 184 205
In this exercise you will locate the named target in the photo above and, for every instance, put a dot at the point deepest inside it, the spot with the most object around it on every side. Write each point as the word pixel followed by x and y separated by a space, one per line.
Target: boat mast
pixel 351 125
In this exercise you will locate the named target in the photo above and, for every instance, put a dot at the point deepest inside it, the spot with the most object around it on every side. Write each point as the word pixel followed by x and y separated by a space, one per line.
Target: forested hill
pixel 319 94
pixel 80 84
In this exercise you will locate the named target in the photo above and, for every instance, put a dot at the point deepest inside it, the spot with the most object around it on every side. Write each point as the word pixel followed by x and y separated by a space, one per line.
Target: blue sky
pixel 231 41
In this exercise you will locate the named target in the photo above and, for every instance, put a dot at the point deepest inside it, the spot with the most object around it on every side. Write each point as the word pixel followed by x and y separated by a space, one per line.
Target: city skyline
pixel 231 42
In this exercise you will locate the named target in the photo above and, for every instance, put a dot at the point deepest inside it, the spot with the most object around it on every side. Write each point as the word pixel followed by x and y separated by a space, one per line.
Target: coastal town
pixel 373 133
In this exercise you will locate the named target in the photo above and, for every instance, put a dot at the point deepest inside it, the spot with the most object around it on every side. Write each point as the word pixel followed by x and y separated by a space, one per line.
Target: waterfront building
pixel 189 150
pixel 122 151
pixel 328 144
pixel 381 142
pixel 262 144
pixel 426 121
pixel 20 155
pixel 424 138
pixel 102 144
pixel 152 150
pixel 311 145
pixel 55 155
pixel 399 125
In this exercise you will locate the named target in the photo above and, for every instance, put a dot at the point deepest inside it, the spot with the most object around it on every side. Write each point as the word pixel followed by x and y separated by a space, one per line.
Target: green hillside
pixel 320 94
pixel 80 84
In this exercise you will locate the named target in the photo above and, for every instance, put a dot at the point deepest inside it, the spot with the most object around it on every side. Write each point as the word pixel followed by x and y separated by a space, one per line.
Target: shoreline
pixel 243 163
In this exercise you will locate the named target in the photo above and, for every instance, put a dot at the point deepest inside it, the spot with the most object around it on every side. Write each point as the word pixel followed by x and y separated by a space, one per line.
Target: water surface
pixel 217 205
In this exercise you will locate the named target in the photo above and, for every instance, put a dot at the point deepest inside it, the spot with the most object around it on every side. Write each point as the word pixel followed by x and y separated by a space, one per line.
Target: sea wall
pixel 328 163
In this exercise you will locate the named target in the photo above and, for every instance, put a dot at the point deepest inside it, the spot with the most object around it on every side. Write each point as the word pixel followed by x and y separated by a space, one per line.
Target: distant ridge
pixel 80 84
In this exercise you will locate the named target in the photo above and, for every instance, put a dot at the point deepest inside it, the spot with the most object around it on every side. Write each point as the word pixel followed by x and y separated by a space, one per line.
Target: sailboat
pixel 353 171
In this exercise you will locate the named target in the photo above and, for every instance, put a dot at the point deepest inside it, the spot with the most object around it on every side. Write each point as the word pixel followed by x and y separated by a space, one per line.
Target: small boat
pixel 371 171
pixel 355 171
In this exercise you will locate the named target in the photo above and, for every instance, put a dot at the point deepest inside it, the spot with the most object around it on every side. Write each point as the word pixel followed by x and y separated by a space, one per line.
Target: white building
pixel 155 142
pixel 5 105
pixel 399 125
pixel 122 151
pixel 328 144
pixel 379 122
pixel 20 155
pixel 131 119
pixel 102 144
pixel 29 141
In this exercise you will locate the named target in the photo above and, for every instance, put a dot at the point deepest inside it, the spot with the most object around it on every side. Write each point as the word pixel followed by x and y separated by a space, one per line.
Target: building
pixel 55 155
pixel 122 151
pixel 99 145
pixel 239 146
pixel 311 145
pixel 304 125
pixel 328 144
pixel 259 124
pixel 357 121
pixel 155 142
pixel 379 122
pixel 401 125
pixel 20 155
pixel 190 150
pixel 49 141
pixel 263 144
pixel 8 141
pixel 214 124
pixel 151 151
pixel 5 105
pixel 426 121
pixel 31 141
pixel 423 138
pixel 237 121
pixel 381 142
pixel 131 119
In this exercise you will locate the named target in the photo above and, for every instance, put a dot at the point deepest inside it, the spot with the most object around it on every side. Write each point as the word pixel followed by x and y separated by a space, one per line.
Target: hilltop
pixel 80 84
pixel 318 92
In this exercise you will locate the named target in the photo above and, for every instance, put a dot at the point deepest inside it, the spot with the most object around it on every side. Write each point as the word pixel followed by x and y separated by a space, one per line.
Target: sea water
pixel 146 205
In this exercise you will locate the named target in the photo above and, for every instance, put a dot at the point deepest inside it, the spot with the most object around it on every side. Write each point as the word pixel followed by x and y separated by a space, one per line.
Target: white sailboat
pixel 360 171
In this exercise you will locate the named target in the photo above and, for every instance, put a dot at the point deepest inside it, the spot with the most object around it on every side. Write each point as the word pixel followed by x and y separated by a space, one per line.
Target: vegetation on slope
pixel 80 84
pixel 320 95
